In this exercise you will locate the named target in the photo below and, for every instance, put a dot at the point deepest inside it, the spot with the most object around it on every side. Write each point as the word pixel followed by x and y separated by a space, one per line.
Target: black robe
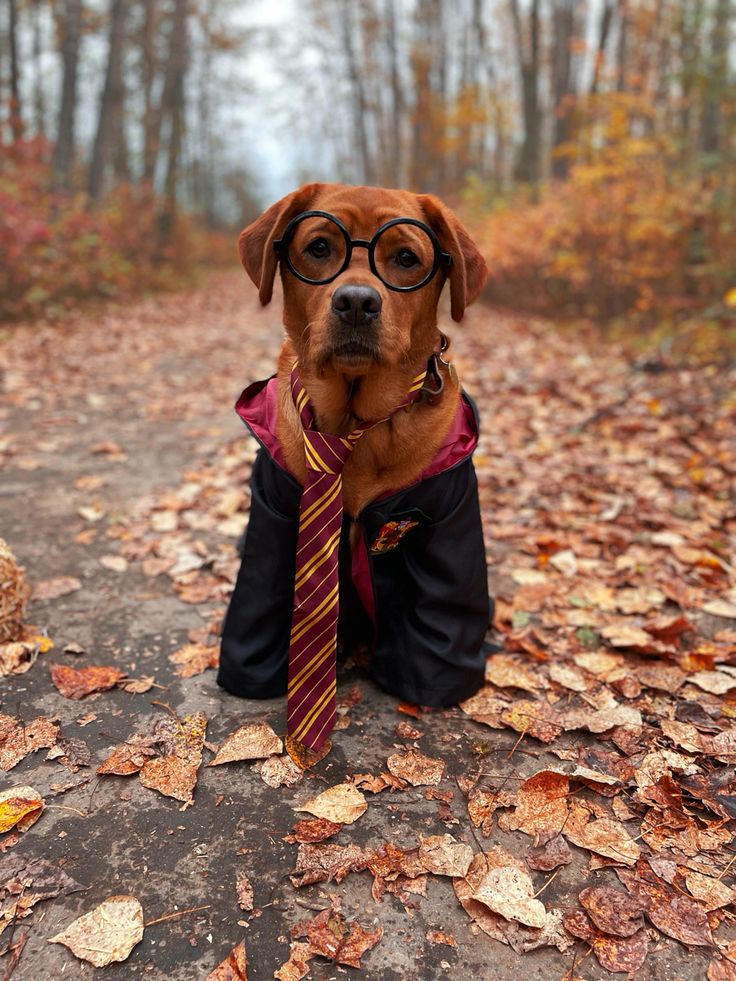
pixel 414 590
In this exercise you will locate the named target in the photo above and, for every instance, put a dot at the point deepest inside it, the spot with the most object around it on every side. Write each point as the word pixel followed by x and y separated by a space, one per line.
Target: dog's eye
pixel 319 248
pixel 406 258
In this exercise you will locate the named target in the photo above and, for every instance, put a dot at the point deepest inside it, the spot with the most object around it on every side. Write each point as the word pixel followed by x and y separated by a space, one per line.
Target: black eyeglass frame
pixel 281 247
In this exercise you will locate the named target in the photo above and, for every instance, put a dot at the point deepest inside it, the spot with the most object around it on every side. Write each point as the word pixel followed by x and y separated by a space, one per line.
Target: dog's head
pixel 380 307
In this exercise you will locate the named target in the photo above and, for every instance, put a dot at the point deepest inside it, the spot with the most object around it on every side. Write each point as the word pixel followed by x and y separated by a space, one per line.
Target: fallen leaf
pixel 616 954
pixel 612 910
pixel 438 937
pixel 342 804
pixel 19 806
pixel 115 563
pixel 128 757
pixel 416 768
pixel 79 682
pixel 175 773
pixel 280 771
pixel 244 891
pixel 668 910
pixel 541 805
pixel 106 934
pixel 51 589
pixel 193 659
pixel 252 742
pixel 313 830
pixel 443 855
pixel 504 671
pixel 233 968
pixel 296 967
pixel 341 941
pixel 605 836
pixel 18 739
pixel 711 892
pixel 537 719
pixel 137 686
pixel 550 855
pixel 721 608
pixel 322 863
pixel 509 891
pixel 715 682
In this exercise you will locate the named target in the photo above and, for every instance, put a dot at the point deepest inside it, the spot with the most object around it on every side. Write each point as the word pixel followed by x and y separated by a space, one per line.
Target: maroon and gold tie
pixel 313 644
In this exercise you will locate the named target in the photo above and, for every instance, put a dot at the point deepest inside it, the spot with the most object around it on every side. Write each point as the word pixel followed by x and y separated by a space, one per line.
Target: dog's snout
pixel 355 304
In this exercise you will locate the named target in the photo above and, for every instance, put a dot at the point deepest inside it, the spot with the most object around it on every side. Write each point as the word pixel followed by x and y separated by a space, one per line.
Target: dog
pixel 362 270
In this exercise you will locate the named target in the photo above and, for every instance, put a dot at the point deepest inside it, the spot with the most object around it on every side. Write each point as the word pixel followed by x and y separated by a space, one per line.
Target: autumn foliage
pixel 56 250
pixel 628 233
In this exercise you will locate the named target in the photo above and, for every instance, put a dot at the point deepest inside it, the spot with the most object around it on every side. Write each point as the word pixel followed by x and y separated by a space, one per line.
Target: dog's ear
pixel 255 243
pixel 468 272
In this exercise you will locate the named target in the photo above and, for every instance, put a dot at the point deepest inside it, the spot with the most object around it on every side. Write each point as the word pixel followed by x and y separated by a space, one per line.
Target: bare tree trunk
pixel 71 30
pixel 528 166
pixel 421 155
pixel 398 105
pixel 717 83
pixel 110 119
pixel 603 34
pixel 358 101
pixel 622 53
pixel 151 113
pixel 172 104
pixel 39 102
pixel 563 32
pixel 16 117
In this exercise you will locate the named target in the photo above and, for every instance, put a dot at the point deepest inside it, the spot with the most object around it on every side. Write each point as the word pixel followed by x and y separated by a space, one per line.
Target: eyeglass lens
pixel 403 253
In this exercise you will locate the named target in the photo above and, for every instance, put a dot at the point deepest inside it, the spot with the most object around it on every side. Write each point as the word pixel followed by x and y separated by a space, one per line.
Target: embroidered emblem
pixel 390 535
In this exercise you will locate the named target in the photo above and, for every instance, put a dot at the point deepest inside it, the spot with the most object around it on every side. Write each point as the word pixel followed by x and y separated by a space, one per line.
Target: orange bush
pixel 627 233
pixel 56 250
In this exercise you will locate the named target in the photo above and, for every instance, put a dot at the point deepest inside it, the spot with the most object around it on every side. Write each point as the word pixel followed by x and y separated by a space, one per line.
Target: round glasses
pixel 404 253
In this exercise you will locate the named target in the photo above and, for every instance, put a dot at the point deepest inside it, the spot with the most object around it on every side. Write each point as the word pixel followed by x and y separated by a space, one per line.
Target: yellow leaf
pixel 730 298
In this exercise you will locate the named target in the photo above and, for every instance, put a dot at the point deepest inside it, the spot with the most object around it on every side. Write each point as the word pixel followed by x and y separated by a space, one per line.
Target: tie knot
pixel 326 453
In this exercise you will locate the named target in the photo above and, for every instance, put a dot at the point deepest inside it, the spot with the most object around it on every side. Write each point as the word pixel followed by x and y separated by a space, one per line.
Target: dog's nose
pixel 356 305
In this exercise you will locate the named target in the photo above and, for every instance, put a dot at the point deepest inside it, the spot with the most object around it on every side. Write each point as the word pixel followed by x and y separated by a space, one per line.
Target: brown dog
pixel 362 271
pixel 344 383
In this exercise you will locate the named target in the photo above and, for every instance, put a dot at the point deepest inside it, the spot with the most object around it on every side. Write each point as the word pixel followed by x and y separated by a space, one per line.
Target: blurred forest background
pixel 590 146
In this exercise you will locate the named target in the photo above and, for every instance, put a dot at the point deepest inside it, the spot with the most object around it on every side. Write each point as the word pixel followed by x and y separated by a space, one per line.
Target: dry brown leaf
pixel 342 804
pixel 667 909
pixel 616 954
pixel 715 682
pixel 233 968
pixel 106 934
pixel 175 774
pixel 18 739
pixel 541 805
pixel 605 837
pixel 128 757
pixel 193 659
pixel 416 768
pixel 78 682
pixel 509 891
pixel 505 671
pixel 19 807
pixel 341 941
pixel 537 719
pixel 550 855
pixel 312 830
pixel 296 967
pixel 483 804
pixel 626 635
pixel 721 608
pixel 486 707
pixel 711 892
pixel 137 686
pixel 322 863
pixel 244 891
pixel 252 742
pixel 280 771
pixel 612 910
pixel 443 855
pixel 519 937
pixel 51 589
pixel 438 937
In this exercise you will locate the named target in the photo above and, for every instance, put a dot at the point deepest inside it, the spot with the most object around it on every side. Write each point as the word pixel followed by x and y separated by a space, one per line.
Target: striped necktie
pixel 313 643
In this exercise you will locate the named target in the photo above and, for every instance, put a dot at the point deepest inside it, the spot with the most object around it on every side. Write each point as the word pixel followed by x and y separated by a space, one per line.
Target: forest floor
pixel 590 784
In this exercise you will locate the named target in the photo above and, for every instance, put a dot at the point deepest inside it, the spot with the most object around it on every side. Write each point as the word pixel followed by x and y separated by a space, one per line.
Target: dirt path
pixel 608 496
